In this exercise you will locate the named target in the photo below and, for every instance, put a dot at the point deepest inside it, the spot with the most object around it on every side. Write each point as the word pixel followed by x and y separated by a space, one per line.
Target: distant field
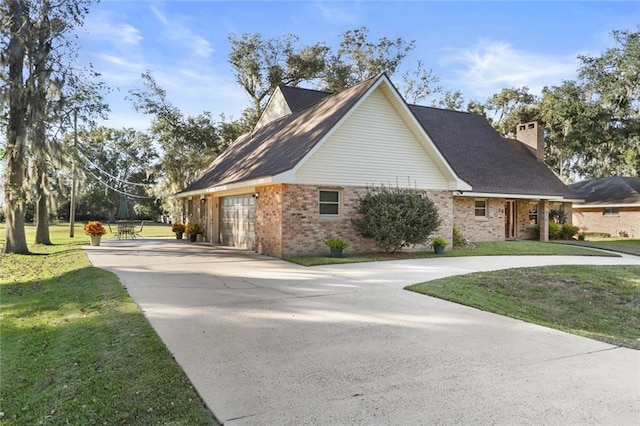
pixel 59 232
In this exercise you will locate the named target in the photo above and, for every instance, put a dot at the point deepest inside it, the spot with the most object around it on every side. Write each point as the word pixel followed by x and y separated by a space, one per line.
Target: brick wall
pixel 288 223
pixel 490 228
pixel 268 225
pixel 593 219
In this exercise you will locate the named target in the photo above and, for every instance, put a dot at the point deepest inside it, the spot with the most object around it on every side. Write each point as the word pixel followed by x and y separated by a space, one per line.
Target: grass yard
pixel 621 245
pixel 599 302
pixel 75 348
pixel 499 248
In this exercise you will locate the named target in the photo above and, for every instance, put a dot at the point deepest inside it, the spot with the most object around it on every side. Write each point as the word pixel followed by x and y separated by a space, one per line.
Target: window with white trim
pixel 481 207
pixel 328 202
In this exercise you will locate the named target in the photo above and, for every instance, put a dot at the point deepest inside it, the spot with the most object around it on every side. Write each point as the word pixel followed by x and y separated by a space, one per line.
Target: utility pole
pixel 72 207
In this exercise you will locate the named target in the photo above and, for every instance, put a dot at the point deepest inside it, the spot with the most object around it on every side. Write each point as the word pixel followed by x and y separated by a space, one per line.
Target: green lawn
pixel 499 248
pixel 600 302
pixel 622 245
pixel 76 349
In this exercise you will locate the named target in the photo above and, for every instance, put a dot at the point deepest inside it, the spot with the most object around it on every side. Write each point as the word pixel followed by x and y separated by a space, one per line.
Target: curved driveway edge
pixel 266 342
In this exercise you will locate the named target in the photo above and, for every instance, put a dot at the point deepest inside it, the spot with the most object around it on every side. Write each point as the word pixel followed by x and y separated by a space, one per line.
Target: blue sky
pixel 476 47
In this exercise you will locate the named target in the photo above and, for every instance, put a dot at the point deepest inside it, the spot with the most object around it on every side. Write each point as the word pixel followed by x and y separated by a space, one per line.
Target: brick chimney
pixel 532 134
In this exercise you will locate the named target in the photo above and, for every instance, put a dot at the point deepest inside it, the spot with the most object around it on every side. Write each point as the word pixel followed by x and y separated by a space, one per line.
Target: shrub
pixel 555 230
pixel 336 243
pixel 568 231
pixel 439 241
pixel 178 227
pixel 193 228
pixel 458 239
pixel 396 217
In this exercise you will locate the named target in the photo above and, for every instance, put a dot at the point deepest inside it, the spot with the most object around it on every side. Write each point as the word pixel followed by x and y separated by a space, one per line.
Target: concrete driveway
pixel 266 342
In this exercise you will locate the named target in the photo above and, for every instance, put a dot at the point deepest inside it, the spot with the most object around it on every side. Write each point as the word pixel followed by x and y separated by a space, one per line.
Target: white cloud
pixel 117 33
pixel 178 30
pixel 333 14
pixel 490 66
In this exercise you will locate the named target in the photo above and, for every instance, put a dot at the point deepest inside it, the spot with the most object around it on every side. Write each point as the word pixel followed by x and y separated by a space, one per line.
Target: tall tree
pixel 568 121
pixel 188 144
pixel 419 83
pixel 116 163
pixel 358 59
pixel 510 107
pixel 612 82
pixel 261 65
pixel 14 47
pixel 46 68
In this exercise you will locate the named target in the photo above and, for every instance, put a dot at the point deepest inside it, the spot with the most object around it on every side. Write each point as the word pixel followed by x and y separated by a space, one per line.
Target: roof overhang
pixel 227 187
pixel 514 196
pixel 597 206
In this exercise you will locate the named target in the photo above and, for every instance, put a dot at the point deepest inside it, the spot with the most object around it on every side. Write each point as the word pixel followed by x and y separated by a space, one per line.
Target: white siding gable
pixel 275 109
pixel 375 146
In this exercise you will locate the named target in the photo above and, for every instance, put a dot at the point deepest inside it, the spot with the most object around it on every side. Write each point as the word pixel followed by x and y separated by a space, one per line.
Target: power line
pixel 109 174
pixel 115 189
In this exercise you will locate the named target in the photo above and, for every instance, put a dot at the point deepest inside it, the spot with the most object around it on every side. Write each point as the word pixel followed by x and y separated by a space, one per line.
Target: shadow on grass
pixel 77 350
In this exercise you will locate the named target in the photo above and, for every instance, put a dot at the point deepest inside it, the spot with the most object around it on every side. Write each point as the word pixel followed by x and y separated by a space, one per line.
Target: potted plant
pixel 438 244
pixel 95 231
pixel 193 229
pixel 336 245
pixel 178 228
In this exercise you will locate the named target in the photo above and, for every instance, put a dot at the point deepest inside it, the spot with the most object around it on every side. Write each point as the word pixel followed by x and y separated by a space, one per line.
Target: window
pixel 329 204
pixel 481 207
pixel 533 214
pixel 611 211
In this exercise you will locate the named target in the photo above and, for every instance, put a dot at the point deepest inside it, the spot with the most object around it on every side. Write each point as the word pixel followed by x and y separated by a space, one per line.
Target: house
pixel 611 205
pixel 297 177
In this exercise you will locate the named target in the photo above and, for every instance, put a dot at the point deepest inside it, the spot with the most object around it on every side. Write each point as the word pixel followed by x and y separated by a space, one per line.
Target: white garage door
pixel 238 221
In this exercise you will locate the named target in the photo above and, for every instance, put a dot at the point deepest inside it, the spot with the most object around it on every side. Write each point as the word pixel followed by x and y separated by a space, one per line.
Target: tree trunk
pixel 39 82
pixel 16 241
pixel 42 213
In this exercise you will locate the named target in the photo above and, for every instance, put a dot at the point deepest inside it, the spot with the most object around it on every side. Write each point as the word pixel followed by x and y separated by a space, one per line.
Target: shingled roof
pixel 615 190
pixel 280 145
pixel 473 149
pixel 484 159
pixel 298 98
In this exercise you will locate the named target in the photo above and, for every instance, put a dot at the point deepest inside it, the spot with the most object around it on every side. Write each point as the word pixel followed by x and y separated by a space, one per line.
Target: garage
pixel 237 217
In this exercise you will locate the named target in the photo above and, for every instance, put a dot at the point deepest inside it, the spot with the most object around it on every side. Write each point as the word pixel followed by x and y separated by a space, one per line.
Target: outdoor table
pixel 126 230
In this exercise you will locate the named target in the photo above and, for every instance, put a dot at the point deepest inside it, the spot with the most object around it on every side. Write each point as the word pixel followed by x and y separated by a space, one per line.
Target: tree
pixel 419 83
pixel 188 144
pixel 46 53
pixel 567 119
pixel 358 59
pixel 261 65
pixel 612 86
pixel 396 217
pixel 452 100
pixel 116 163
pixel 509 108
pixel 14 48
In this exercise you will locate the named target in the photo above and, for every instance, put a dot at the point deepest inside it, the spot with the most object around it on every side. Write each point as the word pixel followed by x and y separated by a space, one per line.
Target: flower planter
pixel 95 239
pixel 178 235
pixel 336 252
pixel 438 249
pixel 193 237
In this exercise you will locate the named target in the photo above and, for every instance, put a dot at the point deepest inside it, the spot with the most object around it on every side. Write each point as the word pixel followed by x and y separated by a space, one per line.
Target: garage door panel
pixel 238 221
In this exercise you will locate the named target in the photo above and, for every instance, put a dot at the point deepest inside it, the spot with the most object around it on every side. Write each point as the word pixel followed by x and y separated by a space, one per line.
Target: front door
pixel 509 220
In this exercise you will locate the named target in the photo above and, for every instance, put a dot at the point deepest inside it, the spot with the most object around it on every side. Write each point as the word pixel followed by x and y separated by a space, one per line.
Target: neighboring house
pixel 296 179
pixel 611 205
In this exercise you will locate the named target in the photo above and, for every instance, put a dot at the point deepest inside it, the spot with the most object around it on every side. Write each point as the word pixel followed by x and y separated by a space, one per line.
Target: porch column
pixel 543 219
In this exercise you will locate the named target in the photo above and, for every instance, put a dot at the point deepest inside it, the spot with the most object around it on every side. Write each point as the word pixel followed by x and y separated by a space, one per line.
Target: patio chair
pixel 139 231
